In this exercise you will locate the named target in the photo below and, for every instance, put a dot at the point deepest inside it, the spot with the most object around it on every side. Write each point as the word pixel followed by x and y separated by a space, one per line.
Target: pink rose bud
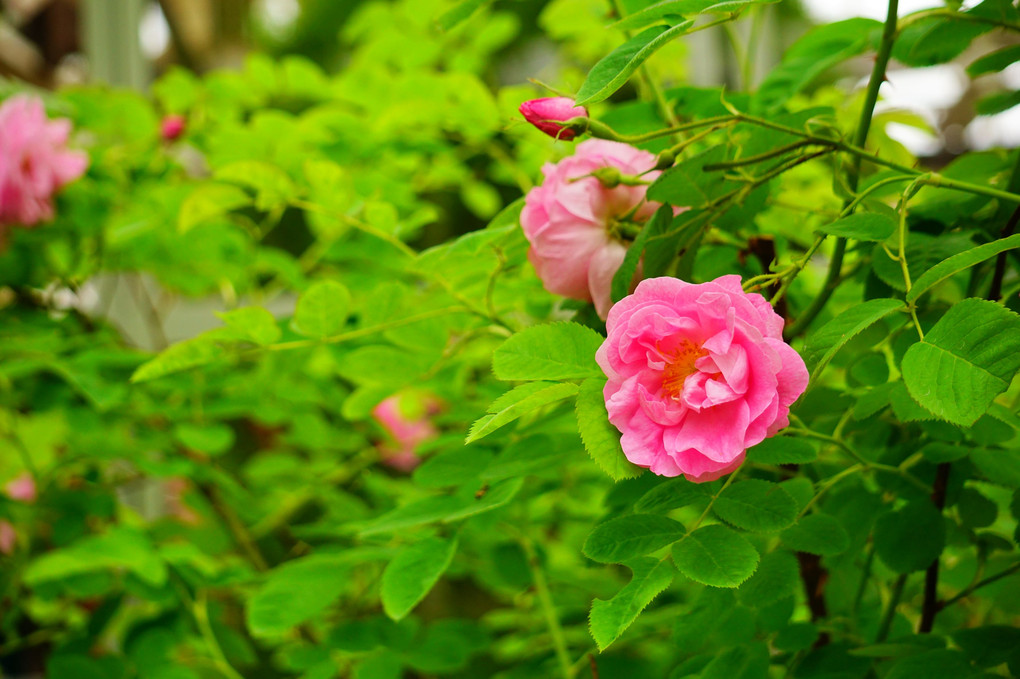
pixel 550 114
pixel 22 488
pixel 406 422
pixel 172 127
pixel 34 161
pixel 697 375
pixel 8 537
pixel 570 220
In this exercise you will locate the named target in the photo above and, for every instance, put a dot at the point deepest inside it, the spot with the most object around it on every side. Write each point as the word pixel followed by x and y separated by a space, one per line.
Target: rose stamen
pixel 680 366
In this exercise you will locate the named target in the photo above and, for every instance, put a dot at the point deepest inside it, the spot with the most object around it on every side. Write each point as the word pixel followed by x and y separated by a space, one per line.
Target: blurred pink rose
pixel 172 127
pixel 570 220
pixel 22 488
pixel 8 536
pixel 406 419
pixel 34 161
pixel 697 374
pixel 547 114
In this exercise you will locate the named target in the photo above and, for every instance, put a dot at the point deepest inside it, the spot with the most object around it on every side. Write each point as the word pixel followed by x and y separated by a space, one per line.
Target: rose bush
pixel 696 375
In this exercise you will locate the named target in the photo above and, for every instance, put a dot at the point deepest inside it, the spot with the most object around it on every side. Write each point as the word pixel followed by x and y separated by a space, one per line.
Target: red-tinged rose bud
pixel 172 127
pixel 556 116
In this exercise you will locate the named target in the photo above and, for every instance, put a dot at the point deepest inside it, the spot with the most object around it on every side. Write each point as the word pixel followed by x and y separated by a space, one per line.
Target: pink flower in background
pixel 407 421
pixel 571 219
pixel 22 488
pixel 34 161
pixel 172 127
pixel 697 374
pixel 547 114
pixel 8 537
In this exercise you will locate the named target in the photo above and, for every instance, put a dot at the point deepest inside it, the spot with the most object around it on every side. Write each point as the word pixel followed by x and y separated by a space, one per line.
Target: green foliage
pixel 633 535
pixel 715 555
pixel 609 619
pixel 412 573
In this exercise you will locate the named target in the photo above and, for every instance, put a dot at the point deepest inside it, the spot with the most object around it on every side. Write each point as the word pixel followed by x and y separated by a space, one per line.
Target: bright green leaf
pixel 601 439
pixel 756 505
pixel 866 226
pixel 412 573
pixel 631 535
pixel 519 401
pixel 823 344
pixel 294 593
pixel 782 450
pixel 957 263
pixel 322 309
pixel 817 534
pixel 557 351
pixel 716 556
pixel 208 201
pixel 609 619
pixel 253 324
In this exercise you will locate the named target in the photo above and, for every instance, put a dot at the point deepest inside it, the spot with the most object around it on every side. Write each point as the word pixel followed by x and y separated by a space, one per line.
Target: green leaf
pixel 624 276
pixel 417 513
pixel 989 645
pixel 601 439
pixel 212 439
pixel 322 309
pixel 413 572
pixel 519 401
pixel 118 548
pixel 910 538
pixel 253 324
pixel 817 51
pixel 459 13
pixel 683 8
pixel 957 263
pixel 296 592
pixel 941 663
pixel 191 353
pixel 527 456
pixel 997 103
pixel 453 467
pixel 866 226
pixel 273 187
pixel 935 40
pixel 484 500
pixel 1001 467
pixel 716 556
pixel 823 344
pixel 613 70
pixel 817 534
pixel 749 661
pixel 777 577
pixel 671 494
pixel 995 61
pixel 967 359
pixel 557 351
pixel 782 450
pixel 756 505
pixel 208 201
pixel 609 619
pixel 631 535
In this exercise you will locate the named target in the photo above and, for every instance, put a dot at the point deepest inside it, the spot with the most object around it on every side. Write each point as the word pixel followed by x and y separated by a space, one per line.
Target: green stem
pixel 890 609
pixel 751 160
pixel 603 131
pixel 978 585
pixel 863 585
pixel 548 609
pixel 364 332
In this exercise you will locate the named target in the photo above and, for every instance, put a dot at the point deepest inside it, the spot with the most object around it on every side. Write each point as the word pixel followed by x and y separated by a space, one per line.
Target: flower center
pixel 680 366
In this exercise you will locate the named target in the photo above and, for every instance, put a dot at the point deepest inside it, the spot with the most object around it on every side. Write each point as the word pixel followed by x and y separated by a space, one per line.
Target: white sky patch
pixel 278 16
pixel 999 130
pixel 836 10
pixel 153 32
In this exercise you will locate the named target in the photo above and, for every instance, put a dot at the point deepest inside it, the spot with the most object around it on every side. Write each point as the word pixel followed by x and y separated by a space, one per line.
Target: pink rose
pixel 172 127
pixel 407 424
pixel 697 374
pixel 34 161
pixel 571 219
pixel 22 488
pixel 547 114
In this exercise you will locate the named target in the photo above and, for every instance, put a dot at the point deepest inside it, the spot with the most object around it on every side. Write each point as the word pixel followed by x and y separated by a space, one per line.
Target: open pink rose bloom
pixel 569 220
pixel 34 161
pixel 697 374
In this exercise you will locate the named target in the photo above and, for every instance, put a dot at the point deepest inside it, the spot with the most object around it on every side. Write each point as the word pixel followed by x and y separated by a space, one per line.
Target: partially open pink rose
pixel 21 488
pixel 697 374
pixel 171 127
pixel 571 219
pixel 548 114
pixel 34 161
pixel 406 419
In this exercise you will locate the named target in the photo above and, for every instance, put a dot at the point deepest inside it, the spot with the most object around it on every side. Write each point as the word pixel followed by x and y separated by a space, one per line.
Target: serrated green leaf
pixel 998 466
pixel 756 505
pixel 782 450
pixel 273 187
pixel 558 351
pixel 601 439
pixel 935 40
pixel 817 534
pixel 253 323
pixel 670 494
pixel 716 556
pixel 609 619
pixel 967 359
pixel 322 309
pixel 208 201
pixel 823 344
pixel 519 401
pixel 613 70
pixel 630 536
pixel 957 263
pixel 777 577
pixel 413 573
pixel 294 593
pixel 910 538
pixel 865 226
